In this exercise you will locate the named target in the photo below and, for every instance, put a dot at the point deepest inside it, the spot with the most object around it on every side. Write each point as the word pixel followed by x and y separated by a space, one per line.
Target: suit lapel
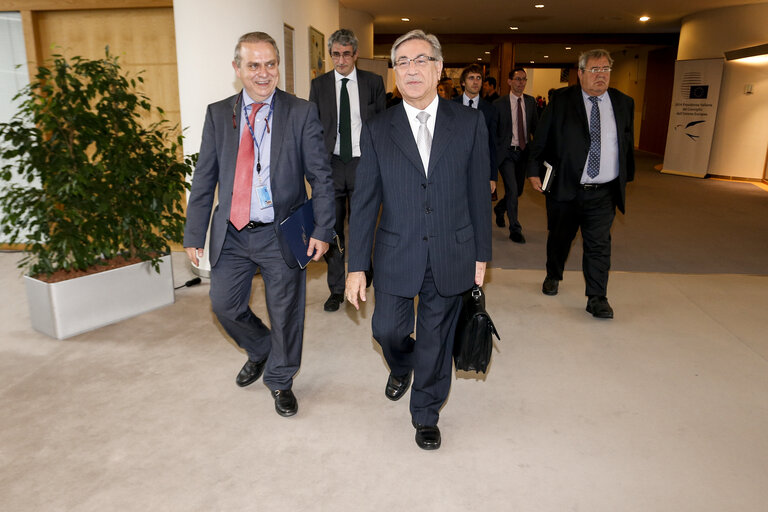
pixel 279 127
pixel 330 94
pixel 362 92
pixel 443 126
pixel 403 136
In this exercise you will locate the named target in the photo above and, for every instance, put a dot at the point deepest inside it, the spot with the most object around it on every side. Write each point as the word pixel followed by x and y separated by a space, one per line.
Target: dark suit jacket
pixel 443 215
pixel 491 123
pixel 505 128
pixel 322 92
pixel 562 139
pixel 296 152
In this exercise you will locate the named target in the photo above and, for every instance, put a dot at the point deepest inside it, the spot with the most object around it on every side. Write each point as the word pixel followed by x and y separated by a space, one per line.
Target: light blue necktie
pixel 593 162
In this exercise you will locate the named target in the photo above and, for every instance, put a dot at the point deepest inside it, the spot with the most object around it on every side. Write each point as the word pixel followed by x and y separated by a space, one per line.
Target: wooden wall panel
pixel 144 40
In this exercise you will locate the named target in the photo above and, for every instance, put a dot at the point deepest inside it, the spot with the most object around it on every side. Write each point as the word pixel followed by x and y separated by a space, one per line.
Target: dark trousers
pixel 344 185
pixel 243 253
pixel 512 170
pixel 430 355
pixel 593 211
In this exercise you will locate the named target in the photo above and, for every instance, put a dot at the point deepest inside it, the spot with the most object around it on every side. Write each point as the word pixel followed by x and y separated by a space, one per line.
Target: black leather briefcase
pixel 473 343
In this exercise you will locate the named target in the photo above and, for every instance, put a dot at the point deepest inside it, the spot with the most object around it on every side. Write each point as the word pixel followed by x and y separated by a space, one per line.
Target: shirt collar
pixel 431 109
pixel 587 96
pixel 247 99
pixel 466 99
pixel 352 75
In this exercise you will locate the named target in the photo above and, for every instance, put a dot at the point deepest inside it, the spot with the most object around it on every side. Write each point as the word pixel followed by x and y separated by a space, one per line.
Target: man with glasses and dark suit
pixel 587 135
pixel 345 97
pixel 424 164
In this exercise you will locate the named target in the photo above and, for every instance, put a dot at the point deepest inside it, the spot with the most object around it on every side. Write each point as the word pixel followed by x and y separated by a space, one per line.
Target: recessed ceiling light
pixel 644 18
pixel 567 47
pixel 479 58
pixel 532 62
pixel 539 6
pixel 405 19
pixel 514 28
pixel 546 56
pixel 487 53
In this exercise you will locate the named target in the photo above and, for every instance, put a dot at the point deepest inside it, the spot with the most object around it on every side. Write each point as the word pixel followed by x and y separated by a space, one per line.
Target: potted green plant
pixel 91 184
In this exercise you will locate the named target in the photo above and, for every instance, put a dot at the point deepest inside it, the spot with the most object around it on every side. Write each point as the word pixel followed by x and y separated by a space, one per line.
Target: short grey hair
pixel 594 54
pixel 254 37
pixel 437 50
pixel 344 37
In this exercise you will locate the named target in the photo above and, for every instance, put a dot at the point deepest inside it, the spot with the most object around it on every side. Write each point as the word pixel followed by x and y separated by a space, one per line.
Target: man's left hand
pixel 318 248
pixel 480 272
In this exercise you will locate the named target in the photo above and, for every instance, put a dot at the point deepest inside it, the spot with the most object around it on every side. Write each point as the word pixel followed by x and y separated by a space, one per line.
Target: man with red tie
pixel 258 146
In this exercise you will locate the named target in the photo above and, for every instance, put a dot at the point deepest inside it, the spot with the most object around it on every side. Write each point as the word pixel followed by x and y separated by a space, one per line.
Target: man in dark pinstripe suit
pixel 425 164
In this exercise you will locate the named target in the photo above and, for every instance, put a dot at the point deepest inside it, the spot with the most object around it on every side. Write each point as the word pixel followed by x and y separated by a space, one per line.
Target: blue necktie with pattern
pixel 593 161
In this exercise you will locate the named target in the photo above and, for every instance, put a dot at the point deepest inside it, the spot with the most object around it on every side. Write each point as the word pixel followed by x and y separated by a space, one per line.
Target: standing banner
pixel 692 117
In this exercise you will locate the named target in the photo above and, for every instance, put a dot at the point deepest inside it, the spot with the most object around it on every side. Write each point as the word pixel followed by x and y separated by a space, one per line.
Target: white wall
pixel 300 14
pixel 741 132
pixel 206 35
pixel 361 23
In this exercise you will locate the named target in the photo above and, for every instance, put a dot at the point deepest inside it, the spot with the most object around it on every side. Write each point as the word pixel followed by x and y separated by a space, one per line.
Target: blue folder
pixel 297 229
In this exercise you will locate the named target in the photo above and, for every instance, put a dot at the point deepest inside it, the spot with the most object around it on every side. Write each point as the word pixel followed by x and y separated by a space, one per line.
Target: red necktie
pixel 520 127
pixel 240 211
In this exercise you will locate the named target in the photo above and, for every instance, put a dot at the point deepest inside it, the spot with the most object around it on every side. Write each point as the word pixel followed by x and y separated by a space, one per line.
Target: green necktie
pixel 345 124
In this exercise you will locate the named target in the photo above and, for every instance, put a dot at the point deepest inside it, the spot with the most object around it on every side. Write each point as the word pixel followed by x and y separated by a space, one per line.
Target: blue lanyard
pixel 264 131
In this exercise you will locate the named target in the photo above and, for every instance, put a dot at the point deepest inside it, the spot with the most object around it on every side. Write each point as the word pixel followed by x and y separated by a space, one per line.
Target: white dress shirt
pixel 354 111
pixel 465 99
pixel 411 112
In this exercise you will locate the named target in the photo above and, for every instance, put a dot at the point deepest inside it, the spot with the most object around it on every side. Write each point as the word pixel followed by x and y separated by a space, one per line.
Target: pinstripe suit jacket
pixel 442 216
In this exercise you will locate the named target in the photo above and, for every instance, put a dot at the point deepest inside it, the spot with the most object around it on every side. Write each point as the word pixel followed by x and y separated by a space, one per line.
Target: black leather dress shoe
pixel 500 220
pixel 285 402
pixel 550 286
pixel 250 373
pixel 599 307
pixel 518 238
pixel 397 386
pixel 333 302
pixel 427 437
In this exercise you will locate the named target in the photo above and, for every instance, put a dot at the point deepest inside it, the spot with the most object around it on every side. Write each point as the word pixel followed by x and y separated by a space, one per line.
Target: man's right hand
pixel 536 183
pixel 193 254
pixel 355 288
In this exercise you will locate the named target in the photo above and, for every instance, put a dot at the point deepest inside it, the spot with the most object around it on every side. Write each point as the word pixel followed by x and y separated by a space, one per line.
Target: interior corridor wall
pixel 741 131
pixel 322 15
pixel 206 36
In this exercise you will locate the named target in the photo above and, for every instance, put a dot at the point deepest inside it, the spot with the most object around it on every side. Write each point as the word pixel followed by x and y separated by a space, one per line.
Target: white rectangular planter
pixel 71 307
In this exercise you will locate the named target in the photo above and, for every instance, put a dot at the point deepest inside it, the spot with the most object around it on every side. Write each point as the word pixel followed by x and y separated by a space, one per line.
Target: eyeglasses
pixel 346 55
pixel 420 62
pixel 604 69
pixel 518 79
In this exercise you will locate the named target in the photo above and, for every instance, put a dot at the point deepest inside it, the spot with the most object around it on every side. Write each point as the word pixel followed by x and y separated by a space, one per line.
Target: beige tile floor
pixel 664 408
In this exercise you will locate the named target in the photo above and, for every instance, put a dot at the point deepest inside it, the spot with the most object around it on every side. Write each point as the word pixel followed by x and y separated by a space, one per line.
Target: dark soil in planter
pixel 63 275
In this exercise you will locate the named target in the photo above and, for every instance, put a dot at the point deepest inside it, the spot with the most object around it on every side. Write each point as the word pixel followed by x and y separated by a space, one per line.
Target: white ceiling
pixel 577 17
